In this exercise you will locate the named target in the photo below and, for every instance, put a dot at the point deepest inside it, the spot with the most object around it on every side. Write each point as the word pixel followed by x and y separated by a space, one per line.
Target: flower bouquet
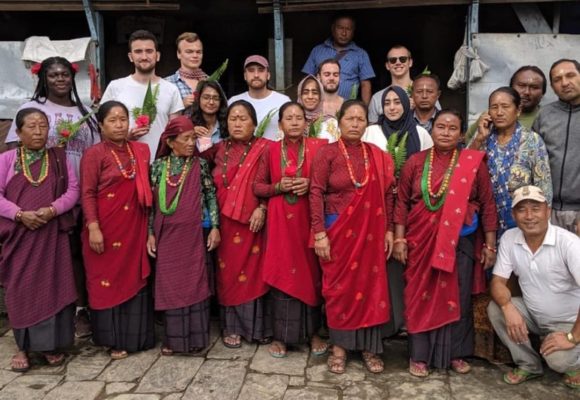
pixel 67 130
pixel 145 115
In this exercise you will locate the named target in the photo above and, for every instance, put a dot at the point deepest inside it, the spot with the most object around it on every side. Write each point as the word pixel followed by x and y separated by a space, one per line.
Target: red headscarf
pixel 176 126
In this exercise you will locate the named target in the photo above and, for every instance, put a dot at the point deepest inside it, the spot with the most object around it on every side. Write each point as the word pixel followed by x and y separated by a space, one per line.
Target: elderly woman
pixel 116 195
pixel 516 156
pixel 290 266
pixel 37 185
pixel 351 201
pixel 240 287
pixel 439 207
pixel 310 92
pixel 182 184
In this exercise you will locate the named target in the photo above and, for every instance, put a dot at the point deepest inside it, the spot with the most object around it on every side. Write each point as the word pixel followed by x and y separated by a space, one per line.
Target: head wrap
pixel 313 115
pixel 404 124
pixel 174 128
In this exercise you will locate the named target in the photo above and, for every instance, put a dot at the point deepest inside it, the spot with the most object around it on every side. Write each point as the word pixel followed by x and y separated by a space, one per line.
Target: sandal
pixel 460 366
pixel 336 364
pixel 278 349
pixel 119 354
pixel 518 375
pixel 232 341
pixel 418 369
pixel 318 347
pixel 166 351
pixel 572 379
pixel 373 362
pixel 267 340
pixel 54 359
pixel 20 362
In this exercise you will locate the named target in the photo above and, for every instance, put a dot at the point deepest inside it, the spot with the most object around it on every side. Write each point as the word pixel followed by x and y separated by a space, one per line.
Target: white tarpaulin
pixel 504 53
pixel 17 83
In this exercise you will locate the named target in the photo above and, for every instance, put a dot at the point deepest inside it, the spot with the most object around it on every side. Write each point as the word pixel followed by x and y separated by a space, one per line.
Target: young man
pixel 398 63
pixel 355 65
pixel 546 260
pixel 144 54
pixel 264 100
pixel 329 76
pixel 425 95
pixel 186 78
pixel 559 124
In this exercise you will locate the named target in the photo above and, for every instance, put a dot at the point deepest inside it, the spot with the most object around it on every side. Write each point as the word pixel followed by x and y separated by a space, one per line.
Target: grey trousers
pixel 523 354
pixel 566 220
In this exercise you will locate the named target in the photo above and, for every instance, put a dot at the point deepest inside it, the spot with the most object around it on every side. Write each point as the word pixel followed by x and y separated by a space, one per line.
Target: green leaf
pixel 397 148
pixel 149 107
pixel 426 71
pixel 353 92
pixel 315 127
pixel 216 75
pixel 261 129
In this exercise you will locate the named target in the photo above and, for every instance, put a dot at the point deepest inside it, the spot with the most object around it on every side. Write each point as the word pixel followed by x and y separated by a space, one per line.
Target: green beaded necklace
pixel 427 176
pixel 163 191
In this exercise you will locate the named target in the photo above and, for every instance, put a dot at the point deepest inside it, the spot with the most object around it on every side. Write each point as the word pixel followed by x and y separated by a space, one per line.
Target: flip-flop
pixel 236 345
pixel 336 364
pixel 520 376
pixel 22 361
pixel 418 369
pixel 460 366
pixel 373 363
pixel 54 360
pixel 323 349
pixel 572 379
pixel 166 351
pixel 278 354
pixel 119 354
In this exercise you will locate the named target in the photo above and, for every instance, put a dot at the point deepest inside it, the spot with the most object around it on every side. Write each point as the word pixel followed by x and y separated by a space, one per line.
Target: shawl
pixel 313 115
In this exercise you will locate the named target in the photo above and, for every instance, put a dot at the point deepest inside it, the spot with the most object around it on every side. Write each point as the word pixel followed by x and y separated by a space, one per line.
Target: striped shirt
pixel 355 66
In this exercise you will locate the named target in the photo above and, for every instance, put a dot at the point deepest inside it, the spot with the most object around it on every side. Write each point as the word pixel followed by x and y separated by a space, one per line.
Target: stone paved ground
pixel 250 373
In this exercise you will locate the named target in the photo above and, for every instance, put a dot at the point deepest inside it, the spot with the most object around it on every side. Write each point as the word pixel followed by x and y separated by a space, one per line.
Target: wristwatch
pixel 571 338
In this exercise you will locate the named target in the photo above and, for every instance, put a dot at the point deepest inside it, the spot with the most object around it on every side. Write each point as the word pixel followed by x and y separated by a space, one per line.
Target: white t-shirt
pixel 549 279
pixel 55 113
pixel 374 134
pixel 263 106
pixel 131 93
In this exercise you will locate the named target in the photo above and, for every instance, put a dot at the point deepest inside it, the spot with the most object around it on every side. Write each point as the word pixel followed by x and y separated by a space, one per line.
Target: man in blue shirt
pixel 355 65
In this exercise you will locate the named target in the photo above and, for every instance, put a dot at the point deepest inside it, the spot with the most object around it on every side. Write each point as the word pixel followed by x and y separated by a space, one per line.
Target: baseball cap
pixel 256 59
pixel 528 192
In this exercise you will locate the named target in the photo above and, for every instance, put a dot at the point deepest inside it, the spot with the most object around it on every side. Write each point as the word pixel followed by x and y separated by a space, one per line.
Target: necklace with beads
pixel 292 198
pixel 25 164
pixel 226 156
pixel 365 180
pixel 166 180
pixel 426 178
pixel 127 174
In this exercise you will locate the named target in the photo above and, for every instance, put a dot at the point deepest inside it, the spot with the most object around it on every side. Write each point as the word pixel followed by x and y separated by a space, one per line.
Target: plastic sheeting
pixel 17 83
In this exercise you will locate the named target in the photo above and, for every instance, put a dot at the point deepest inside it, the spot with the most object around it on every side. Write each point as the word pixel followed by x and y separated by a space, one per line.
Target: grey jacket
pixel 558 124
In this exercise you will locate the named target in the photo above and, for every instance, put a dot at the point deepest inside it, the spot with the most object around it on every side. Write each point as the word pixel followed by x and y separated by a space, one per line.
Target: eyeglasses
pixel 402 59
pixel 207 97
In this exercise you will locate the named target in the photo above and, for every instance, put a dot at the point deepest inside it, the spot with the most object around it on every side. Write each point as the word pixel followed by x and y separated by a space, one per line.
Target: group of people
pixel 295 214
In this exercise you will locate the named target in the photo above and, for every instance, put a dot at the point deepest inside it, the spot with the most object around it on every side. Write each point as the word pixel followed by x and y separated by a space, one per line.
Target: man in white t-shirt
pixel 144 54
pixel 546 260
pixel 264 100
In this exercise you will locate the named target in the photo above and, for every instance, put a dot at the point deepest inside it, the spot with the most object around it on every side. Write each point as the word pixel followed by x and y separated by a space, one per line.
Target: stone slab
pixel 76 391
pixel 364 390
pixel 173 396
pixel 131 368
pixel 297 381
pixel 29 387
pixel 294 364
pixel 90 362
pixel 311 394
pixel 319 373
pixel 264 387
pixel 135 397
pixel 7 350
pixel 119 387
pixel 170 374
pixel 7 376
pixel 418 389
pixel 221 352
pixel 217 379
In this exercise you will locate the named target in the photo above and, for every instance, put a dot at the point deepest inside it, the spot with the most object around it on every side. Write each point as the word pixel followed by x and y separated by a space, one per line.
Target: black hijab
pixel 404 124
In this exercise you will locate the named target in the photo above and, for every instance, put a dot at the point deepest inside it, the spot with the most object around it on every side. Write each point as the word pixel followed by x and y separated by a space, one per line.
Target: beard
pixel 330 90
pixel 141 70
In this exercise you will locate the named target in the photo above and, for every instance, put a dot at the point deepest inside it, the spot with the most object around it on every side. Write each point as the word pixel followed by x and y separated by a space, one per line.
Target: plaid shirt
pixel 184 89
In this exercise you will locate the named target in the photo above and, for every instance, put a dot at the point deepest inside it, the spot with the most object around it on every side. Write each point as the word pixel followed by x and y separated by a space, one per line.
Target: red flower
pixel 142 121
pixel 290 171
pixel 75 67
pixel 65 133
pixel 35 69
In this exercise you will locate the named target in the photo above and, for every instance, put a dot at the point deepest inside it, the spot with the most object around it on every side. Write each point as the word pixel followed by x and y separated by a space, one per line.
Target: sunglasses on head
pixel 402 59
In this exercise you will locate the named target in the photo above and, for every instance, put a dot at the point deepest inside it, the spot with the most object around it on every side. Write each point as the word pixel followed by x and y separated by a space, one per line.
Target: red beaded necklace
pixel 127 174
pixel 365 180
pixel 226 156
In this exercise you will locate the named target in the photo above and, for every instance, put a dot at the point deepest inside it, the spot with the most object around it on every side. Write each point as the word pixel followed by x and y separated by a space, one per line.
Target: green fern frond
pixel 426 71
pixel 261 129
pixel 216 75
pixel 353 92
pixel 315 127
pixel 149 107
pixel 397 148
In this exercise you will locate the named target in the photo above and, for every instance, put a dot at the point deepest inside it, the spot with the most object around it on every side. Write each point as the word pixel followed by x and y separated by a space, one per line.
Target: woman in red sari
pixel 351 201
pixel 444 196
pixel 116 197
pixel 240 287
pixel 290 265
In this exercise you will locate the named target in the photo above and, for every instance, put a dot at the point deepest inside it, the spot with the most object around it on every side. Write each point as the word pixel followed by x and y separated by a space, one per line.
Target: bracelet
pixel 400 240
pixel 18 216
pixel 263 208
pixel 492 249
pixel 53 211
pixel 277 188
pixel 320 238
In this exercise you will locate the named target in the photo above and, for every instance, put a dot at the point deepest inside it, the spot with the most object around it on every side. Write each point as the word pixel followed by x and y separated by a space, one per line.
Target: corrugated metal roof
pixel 98 5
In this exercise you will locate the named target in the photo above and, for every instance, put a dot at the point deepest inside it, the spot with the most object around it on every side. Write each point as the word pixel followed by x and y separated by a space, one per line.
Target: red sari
pixel 354 281
pixel 120 206
pixel 432 290
pixel 240 254
pixel 290 265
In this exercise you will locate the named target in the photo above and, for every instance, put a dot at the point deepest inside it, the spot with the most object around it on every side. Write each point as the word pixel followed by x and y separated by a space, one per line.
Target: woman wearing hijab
pixel 310 92
pixel 182 184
